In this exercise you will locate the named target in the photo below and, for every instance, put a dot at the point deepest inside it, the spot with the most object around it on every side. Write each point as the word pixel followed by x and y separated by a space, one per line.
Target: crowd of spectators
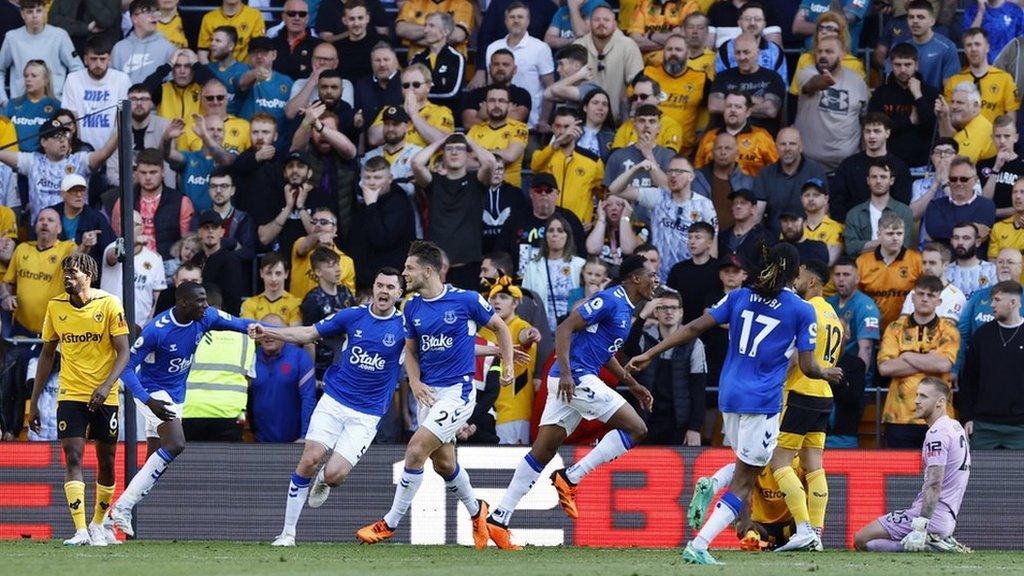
pixel 282 157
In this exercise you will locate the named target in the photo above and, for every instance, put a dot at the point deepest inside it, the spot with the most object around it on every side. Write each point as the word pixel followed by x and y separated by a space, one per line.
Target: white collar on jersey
pixel 444 290
pixel 175 320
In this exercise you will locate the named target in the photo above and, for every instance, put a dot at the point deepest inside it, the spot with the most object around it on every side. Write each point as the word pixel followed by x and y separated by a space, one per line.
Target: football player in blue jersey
pixel 766 320
pixel 358 389
pixel 440 325
pixel 585 342
pixel 163 354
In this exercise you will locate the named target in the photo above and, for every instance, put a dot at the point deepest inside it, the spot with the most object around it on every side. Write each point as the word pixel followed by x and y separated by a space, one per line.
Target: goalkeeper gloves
pixel 917 540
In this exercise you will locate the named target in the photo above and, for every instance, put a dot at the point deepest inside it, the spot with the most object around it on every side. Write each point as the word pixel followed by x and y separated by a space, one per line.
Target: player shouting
pixel 440 323
pixel 163 353
pixel 765 321
pixel 929 522
pixel 89 326
pixel 358 389
pixel 584 342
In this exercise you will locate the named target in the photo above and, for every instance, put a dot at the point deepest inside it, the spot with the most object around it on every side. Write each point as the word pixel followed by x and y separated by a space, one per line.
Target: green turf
pixel 24 558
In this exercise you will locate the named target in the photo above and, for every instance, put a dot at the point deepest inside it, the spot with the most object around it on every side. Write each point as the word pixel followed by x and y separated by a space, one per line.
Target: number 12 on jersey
pixel 767 324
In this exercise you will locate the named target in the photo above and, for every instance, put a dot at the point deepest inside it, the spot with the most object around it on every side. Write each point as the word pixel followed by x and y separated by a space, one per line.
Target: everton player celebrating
pixel 163 354
pixel 440 323
pixel 585 342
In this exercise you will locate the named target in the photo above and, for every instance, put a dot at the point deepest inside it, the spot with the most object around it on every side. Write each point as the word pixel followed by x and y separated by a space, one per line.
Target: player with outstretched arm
pixel 766 321
pixel 929 522
pixel 585 342
pixel 163 354
pixel 440 324
pixel 358 389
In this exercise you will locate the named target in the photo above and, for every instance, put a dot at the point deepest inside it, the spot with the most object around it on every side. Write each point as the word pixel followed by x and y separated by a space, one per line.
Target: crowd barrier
pixel 237 492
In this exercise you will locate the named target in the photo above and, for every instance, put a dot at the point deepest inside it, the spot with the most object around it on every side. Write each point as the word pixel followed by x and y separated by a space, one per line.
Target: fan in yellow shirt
pixel 33 274
pixel 274 299
pixel 573 171
pixel 89 327
pixel 247 21
pixel 325 230
pixel 998 89
pixel 170 25
pixel 415 89
pixel 514 405
pixel 685 90
pixel 503 136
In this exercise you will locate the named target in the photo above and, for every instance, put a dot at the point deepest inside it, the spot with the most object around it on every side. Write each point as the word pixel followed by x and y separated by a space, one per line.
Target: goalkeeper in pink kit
pixel 929 523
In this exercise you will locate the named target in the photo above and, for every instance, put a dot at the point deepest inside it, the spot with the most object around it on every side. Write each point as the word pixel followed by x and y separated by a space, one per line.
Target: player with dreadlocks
pixel 90 328
pixel 766 320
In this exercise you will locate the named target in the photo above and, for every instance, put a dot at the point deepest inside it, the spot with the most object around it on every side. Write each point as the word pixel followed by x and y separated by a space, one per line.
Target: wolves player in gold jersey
pixel 90 328
pixel 807 405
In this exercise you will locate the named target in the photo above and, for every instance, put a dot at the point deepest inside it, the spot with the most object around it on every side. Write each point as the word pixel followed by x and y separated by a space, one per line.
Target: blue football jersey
pixel 366 372
pixel 444 329
pixel 609 315
pixel 270 96
pixel 762 336
pixel 164 351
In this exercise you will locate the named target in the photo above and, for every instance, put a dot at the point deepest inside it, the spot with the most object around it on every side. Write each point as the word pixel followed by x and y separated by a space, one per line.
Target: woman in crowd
pixel 555 272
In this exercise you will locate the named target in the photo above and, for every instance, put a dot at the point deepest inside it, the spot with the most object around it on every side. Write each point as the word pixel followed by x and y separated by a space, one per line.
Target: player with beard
pixel 90 327
pixel 686 89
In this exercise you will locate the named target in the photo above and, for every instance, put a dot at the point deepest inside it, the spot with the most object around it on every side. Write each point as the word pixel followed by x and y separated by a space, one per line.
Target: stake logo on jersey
pixel 608 315
pixel 164 351
pixel 762 336
pixel 444 329
pixel 365 376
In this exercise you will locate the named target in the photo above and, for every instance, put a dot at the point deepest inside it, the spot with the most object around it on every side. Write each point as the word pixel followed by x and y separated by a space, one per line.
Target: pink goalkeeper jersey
pixel 946 445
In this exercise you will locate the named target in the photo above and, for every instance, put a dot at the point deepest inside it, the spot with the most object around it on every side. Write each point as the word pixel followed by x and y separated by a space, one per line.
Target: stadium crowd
pixel 282 158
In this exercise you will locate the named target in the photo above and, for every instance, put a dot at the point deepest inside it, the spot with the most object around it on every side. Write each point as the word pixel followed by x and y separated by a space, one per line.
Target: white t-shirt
pixel 533 60
pixel 149 277
pixel 875 214
pixel 95 104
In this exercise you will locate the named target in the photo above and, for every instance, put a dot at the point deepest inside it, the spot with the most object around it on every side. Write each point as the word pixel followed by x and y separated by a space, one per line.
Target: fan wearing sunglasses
pixel 429 122
pixel 213 101
pixel 647 92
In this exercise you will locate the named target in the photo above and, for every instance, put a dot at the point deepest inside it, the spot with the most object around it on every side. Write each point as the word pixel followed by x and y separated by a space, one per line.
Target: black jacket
pixel 990 383
pixel 224 269
pixel 295 63
pixel 446 75
pixel 689 377
pixel 380 235
pixel 371 97
pixel 849 185
pixel 911 142
pixel 258 185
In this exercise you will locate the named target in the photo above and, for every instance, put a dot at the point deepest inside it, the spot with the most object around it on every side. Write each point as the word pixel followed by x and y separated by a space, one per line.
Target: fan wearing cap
pixel 46 168
pixel 79 221
pixel 398 152
pixel 755 145
pixel 525 228
pixel 747 239
pixel 585 342
pixel 641 164
pixel 222 267
pixel 263 89
pixel 817 223
pixel 791 224
pixel 579 169
pixel 514 404
pixel 293 220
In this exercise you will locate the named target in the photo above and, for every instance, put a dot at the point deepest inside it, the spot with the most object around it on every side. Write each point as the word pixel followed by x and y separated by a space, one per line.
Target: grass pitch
pixel 31 558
